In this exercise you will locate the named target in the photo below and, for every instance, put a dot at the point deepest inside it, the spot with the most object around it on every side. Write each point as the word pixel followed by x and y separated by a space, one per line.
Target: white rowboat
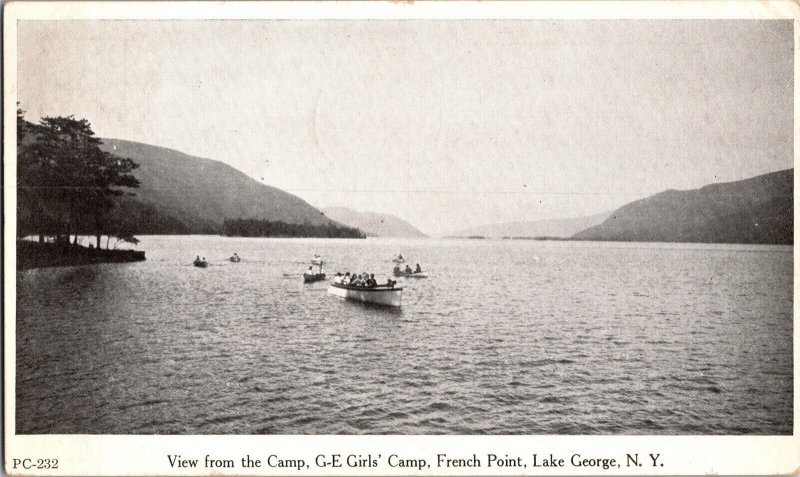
pixel 381 295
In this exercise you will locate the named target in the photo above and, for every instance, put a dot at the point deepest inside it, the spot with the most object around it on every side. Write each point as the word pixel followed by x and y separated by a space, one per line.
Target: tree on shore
pixel 65 183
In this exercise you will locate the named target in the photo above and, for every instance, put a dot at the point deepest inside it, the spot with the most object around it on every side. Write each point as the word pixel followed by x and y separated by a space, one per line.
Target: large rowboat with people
pixel 386 295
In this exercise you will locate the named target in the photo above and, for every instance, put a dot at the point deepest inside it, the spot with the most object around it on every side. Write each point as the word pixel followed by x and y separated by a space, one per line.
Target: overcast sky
pixel 446 124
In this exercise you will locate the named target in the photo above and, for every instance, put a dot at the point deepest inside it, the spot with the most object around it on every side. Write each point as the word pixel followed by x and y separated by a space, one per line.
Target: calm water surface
pixel 506 337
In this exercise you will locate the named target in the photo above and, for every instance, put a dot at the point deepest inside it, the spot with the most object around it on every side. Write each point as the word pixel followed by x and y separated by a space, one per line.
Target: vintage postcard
pixel 380 238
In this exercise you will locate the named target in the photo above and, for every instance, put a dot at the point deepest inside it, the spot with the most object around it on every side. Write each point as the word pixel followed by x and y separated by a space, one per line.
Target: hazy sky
pixel 446 124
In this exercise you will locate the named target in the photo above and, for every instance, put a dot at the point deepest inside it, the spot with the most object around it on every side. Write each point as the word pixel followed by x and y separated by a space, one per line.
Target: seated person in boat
pixel 408 269
pixel 418 270
pixel 397 268
pixel 338 278
pixel 390 283
pixel 310 271
pixel 371 281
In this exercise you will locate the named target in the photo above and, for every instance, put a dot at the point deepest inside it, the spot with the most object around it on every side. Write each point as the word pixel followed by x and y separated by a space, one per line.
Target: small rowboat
pixel 380 295
pixel 411 275
pixel 313 277
pixel 235 259
pixel 200 263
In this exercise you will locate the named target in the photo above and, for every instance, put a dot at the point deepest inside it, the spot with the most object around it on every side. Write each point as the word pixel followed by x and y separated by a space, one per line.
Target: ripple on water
pixel 634 347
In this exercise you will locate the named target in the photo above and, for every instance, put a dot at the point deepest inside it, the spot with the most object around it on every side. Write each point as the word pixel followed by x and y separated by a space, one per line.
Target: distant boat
pixel 313 277
pixel 399 259
pixel 235 259
pixel 380 295
pixel 200 263
pixel 402 273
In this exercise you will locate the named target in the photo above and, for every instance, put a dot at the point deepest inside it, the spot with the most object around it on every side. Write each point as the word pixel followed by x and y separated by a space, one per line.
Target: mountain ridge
pixel 757 210
pixel 562 228
pixel 373 223
pixel 190 194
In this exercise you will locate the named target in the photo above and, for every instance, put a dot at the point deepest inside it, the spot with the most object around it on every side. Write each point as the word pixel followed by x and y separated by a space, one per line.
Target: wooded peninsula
pixel 66 186
pixel 70 185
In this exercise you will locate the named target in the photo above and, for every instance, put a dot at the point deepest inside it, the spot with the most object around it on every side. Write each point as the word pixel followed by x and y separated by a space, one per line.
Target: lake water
pixel 505 337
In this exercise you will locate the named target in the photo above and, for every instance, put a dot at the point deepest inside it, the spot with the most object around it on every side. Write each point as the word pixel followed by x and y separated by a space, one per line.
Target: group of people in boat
pixel 202 261
pixel 408 270
pixel 366 280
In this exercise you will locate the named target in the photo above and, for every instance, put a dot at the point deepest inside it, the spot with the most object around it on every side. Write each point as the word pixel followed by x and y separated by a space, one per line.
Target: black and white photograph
pixel 398 225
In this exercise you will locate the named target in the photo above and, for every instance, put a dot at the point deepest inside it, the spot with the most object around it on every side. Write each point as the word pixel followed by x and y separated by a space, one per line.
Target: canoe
pixel 411 275
pixel 200 263
pixel 313 277
pixel 381 295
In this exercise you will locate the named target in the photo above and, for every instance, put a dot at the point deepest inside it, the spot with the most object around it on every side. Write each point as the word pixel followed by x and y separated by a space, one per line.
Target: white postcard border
pixel 147 455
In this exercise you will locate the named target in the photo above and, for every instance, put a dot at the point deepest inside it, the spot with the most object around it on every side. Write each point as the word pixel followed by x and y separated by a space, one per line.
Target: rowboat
pixel 235 259
pixel 411 275
pixel 200 263
pixel 380 295
pixel 313 277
